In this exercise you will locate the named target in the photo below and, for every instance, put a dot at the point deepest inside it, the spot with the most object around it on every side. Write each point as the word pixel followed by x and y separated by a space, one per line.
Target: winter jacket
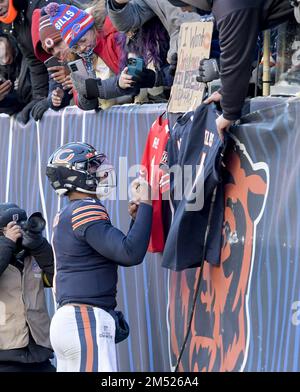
pixel 108 47
pixel 18 73
pixel 239 23
pixel 134 14
pixel 21 28
pixel 25 323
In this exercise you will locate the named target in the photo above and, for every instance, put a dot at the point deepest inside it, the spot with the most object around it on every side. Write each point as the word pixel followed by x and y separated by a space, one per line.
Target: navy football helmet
pixel 74 167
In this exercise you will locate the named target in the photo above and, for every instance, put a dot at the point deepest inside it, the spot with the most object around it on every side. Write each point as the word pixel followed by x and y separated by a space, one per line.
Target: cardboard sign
pixel 193 46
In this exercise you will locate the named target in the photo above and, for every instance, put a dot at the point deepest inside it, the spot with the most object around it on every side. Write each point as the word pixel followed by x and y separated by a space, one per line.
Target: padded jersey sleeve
pixel 87 214
pixel 92 224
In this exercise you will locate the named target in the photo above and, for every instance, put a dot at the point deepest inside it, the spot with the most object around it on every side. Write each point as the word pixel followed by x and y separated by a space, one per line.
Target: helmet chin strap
pixel 12 13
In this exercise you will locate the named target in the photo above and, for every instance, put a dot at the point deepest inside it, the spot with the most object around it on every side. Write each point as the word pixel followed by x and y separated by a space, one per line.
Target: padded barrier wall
pixel 247 314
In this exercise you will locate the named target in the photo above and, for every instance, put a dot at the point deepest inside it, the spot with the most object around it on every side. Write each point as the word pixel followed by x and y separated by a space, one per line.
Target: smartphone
pixel 52 62
pixel 2 80
pixel 78 66
pixel 134 65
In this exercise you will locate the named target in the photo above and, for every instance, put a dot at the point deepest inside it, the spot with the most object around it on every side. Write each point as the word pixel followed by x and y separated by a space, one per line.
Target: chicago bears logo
pixel 219 337
pixel 64 156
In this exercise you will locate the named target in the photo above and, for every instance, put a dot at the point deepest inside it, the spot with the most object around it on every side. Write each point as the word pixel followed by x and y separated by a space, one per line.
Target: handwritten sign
pixel 193 46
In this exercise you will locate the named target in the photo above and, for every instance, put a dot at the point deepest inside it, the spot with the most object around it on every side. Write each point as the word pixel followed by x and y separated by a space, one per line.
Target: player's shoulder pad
pixel 87 212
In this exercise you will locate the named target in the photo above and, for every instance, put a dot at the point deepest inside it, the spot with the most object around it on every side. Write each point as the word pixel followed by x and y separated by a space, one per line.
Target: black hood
pixel 11 71
pixel 27 7
pixel 205 5
pixel 20 4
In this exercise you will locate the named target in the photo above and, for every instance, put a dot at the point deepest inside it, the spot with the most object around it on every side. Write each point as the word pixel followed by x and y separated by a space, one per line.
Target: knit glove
pixel 208 71
pixel 145 78
pixel 173 64
pixel 24 116
pixel 39 109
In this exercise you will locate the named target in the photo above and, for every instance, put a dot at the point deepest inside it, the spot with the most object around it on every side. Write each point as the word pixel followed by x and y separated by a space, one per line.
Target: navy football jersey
pixel 196 230
pixel 82 275
pixel 88 250
pixel 175 149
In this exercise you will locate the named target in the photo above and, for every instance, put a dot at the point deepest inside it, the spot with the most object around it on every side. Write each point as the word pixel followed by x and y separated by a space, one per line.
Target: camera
pixel 34 225
pixel 135 65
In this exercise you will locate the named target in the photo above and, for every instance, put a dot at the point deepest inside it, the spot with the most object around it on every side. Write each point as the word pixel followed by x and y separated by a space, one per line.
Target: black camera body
pixel 35 224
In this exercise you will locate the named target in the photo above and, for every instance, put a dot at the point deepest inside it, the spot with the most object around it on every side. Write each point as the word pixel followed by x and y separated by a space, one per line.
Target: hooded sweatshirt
pixel 239 23
pixel 131 16
pixel 21 28
pixel 18 72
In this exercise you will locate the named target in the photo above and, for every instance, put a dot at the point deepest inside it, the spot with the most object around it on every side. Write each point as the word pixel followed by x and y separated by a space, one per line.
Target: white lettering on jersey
pixel 155 144
pixel 208 138
pixel 152 171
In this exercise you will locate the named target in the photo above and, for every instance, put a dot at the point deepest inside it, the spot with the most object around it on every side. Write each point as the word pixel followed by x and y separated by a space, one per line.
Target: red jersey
pixel 153 161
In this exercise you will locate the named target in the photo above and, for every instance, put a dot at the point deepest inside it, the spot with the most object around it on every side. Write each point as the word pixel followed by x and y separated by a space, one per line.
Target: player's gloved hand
pixel 39 109
pixel 173 64
pixel 208 71
pixel 145 78
pixel 24 116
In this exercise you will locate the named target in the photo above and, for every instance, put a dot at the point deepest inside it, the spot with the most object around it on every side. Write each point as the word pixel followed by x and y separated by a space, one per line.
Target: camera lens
pixel 36 223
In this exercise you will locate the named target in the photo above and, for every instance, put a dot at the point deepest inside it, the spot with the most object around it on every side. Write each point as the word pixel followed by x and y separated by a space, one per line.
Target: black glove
pixel 173 64
pixel 24 116
pixel 145 78
pixel 39 109
pixel 43 255
pixel 32 231
pixel 32 241
pixel 208 71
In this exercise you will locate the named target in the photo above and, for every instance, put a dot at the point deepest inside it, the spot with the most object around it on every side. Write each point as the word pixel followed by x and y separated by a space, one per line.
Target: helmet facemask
pixel 77 167
pixel 106 180
pixel 89 169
